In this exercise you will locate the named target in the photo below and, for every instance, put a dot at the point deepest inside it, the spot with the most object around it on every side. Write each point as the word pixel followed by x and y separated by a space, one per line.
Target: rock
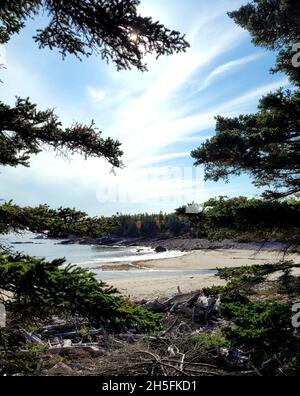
pixel 160 249
pixel 67 242
pixel 40 237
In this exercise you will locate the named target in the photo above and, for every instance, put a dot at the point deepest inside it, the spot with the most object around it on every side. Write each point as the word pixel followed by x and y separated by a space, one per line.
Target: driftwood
pixel 191 305
pixel 156 306
pixel 32 338
pixel 164 353
pixel 181 366
pixel 88 346
pixel 193 299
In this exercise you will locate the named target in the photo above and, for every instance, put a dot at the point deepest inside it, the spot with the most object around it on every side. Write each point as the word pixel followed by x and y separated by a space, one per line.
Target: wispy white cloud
pixel 232 107
pixel 227 68
pixel 145 120
pixel 241 102
pixel 159 159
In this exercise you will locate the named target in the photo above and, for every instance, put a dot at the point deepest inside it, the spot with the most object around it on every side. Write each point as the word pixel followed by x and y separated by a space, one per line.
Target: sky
pixel 159 116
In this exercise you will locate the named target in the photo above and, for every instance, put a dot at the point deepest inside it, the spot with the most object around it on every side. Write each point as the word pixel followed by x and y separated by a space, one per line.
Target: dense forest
pixel 65 223
pixel 242 219
pixel 152 225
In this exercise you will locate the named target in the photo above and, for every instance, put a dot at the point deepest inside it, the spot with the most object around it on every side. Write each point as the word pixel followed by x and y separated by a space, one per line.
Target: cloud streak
pixel 227 68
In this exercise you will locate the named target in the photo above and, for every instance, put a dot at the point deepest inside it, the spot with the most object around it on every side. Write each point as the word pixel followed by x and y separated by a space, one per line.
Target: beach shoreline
pixel 150 287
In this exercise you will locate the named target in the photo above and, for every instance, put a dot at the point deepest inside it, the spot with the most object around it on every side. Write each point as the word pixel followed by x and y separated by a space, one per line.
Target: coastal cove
pixel 94 257
pixel 139 272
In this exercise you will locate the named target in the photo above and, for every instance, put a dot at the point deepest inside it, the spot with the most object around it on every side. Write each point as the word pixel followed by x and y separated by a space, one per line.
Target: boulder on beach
pixel 160 249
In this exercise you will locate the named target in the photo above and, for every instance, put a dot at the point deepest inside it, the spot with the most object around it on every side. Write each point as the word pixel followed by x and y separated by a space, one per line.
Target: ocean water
pixel 93 256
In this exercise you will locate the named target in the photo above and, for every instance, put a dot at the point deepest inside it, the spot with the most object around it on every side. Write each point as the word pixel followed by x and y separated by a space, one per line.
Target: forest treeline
pixel 242 219
pixel 153 225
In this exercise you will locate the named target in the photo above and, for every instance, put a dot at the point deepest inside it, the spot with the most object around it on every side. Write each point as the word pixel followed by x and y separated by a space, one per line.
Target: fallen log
pixel 156 306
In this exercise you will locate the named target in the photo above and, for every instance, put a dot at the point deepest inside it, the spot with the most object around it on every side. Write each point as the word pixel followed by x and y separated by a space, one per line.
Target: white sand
pixel 150 287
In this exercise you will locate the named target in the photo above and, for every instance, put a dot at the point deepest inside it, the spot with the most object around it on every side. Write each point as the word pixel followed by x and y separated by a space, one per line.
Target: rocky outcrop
pixel 160 249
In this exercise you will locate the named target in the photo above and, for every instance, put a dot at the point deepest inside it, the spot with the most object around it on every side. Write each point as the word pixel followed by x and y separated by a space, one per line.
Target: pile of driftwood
pixel 190 305
pixel 92 351
pixel 189 315
pixel 194 308
pixel 62 334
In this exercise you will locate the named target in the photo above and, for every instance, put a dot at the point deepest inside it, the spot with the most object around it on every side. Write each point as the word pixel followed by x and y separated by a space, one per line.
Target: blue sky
pixel 159 116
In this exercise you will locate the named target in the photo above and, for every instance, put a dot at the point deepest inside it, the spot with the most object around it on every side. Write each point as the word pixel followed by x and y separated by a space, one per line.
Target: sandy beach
pixel 150 287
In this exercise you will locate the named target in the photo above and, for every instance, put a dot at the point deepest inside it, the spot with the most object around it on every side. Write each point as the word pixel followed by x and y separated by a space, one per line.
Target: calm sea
pixel 93 256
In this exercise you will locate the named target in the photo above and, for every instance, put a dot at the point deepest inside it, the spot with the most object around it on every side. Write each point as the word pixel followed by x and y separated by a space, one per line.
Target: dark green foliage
pixel 245 219
pixel 266 145
pixel 242 213
pixel 259 328
pixel 58 223
pixel 13 14
pixel 25 131
pixel 284 63
pixel 25 361
pixel 256 272
pixel 244 282
pixel 112 28
pixel 254 327
pixel 41 289
pixel 151 225
pixel 213 291
pixel 274 24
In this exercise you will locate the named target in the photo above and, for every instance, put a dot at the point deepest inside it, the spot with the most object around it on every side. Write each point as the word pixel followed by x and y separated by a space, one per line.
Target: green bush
pixel 40 289
pixel 243 219
pixel 260 328
pixel 59 223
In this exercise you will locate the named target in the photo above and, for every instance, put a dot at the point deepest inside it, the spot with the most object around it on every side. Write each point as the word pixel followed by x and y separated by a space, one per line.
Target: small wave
pixel 141 257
